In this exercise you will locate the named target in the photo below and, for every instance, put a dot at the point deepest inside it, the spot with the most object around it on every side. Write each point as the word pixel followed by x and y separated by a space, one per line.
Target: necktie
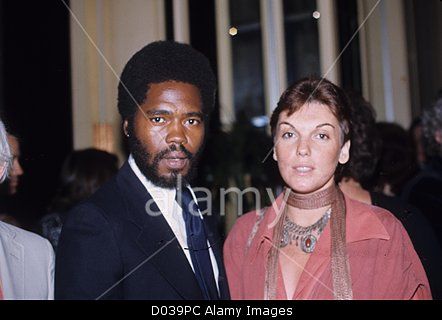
pixel 197 244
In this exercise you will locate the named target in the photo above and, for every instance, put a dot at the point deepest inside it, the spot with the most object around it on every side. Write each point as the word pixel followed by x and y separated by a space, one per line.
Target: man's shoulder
pixel 427 182
pixel 430 184
pixel 111 193
pixel 24 237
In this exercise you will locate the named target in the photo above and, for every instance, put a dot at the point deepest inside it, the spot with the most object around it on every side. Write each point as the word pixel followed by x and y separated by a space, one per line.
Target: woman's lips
pixel 303 170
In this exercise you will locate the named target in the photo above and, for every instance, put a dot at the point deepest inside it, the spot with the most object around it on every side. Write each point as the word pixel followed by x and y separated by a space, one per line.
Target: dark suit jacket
pixel 110 248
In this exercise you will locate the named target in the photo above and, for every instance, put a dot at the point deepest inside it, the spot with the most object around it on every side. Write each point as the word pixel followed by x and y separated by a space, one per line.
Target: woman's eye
pixel 157 120
pixel 287 135
pixel 323 136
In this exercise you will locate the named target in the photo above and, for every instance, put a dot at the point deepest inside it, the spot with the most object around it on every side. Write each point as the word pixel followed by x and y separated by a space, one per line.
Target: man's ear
pixel 344 155
pixel 125 128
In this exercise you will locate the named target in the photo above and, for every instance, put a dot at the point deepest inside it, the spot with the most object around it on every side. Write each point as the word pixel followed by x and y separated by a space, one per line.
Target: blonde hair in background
pixel 5 153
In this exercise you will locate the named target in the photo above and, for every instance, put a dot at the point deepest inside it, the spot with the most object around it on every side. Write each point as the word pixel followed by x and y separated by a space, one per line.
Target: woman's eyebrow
pixel 287 123
pixel 318 126
pixel 325 124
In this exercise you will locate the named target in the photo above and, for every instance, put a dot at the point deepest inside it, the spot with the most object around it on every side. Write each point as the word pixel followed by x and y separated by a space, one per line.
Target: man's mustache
pixel 164 153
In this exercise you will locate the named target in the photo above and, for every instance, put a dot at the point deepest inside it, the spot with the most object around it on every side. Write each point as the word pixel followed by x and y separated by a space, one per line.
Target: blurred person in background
pixel 417 139
pixel 397 163
pixel 16 169
pixel 10 205
pixel 425 190
pixel 82 173
pixel 26 259
pixel 356 181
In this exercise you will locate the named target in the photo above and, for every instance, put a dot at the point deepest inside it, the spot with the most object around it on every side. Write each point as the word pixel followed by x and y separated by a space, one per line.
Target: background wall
pixel 104 35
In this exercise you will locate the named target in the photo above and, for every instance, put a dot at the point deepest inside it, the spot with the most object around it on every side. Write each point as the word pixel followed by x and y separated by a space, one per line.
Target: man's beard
pixel 150 168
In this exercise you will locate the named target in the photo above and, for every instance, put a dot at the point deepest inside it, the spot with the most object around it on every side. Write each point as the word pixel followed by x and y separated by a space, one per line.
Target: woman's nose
pixel 303 148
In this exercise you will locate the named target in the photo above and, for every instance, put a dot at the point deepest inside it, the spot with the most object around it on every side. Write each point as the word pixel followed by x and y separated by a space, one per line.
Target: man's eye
pixel 193 122
pixel 157 120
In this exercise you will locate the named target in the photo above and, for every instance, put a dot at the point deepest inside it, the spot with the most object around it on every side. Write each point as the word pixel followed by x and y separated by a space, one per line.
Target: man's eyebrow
pixel 195 114
pixel 157 112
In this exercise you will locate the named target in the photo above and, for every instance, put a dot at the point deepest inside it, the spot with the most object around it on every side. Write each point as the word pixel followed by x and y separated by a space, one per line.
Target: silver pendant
pixel 308 243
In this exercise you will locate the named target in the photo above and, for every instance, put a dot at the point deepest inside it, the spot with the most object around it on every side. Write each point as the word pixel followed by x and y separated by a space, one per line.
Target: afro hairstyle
pixel 163 61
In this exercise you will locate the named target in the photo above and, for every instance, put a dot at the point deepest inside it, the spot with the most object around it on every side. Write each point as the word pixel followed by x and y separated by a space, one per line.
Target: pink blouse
pixel 383 263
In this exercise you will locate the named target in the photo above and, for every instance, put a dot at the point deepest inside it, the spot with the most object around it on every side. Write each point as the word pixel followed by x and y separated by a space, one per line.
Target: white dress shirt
pixel 172 212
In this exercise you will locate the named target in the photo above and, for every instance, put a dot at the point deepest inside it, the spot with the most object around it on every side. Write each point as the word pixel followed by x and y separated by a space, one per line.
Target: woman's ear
pixel 344 155
pixel 274 155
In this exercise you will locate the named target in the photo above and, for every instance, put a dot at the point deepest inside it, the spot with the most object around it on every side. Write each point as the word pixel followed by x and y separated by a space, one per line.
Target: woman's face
pixel 308 147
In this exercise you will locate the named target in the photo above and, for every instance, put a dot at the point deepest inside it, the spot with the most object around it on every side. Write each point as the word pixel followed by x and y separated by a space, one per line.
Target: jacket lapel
pixel 12 268
pixel 156 239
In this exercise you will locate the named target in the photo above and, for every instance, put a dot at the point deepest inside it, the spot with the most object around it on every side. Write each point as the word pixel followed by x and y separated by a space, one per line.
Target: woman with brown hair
pixel 313 242
pixel 82 173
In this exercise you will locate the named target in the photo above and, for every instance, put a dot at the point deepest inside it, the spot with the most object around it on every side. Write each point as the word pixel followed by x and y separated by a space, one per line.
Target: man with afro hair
pixel 145 234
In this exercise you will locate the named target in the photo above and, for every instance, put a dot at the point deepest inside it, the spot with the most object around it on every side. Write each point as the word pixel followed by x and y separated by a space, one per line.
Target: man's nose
pixel 176 134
